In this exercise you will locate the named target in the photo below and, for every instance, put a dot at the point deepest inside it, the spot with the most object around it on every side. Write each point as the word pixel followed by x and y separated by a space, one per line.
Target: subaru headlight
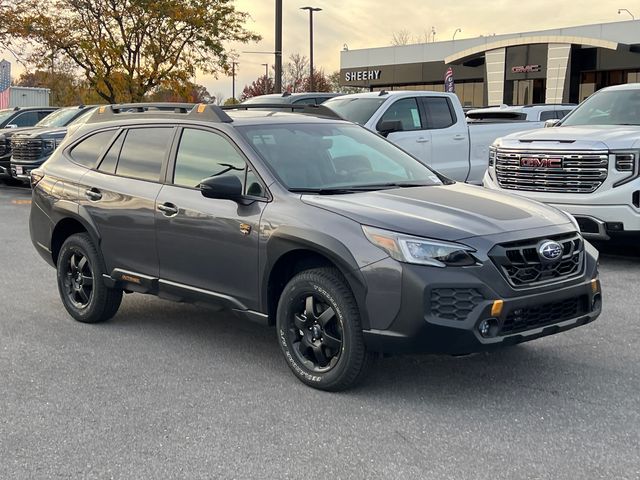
pixel 418 250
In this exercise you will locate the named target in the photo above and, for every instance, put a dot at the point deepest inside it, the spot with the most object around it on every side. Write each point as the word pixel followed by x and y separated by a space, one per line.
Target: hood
pixel 9 132
pixel 43 132
pixel 447 212
pixel 588 137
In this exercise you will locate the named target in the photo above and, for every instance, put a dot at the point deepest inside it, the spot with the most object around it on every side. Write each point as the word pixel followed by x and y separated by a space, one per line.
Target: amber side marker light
pixel 496 308
pixel 595 285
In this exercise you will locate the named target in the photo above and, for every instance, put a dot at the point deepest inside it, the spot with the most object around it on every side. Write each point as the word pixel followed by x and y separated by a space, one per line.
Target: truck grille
pixel 26 149
pixel 521 265
pixel 526 318
pixel 563 171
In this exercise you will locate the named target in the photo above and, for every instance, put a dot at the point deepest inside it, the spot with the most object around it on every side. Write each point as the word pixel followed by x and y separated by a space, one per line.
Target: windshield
pixel 612 107
pixel 5 114
pixel 59 118
pixel 267 100
pixel 357 110
pixel 82 119
pixel 313 157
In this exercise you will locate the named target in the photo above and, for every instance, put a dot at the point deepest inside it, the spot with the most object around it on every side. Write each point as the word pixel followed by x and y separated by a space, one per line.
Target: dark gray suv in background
pixel 346 243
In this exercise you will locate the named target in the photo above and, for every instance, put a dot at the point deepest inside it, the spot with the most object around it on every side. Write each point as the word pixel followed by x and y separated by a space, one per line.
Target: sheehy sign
pixel 361 75
pixel 525 68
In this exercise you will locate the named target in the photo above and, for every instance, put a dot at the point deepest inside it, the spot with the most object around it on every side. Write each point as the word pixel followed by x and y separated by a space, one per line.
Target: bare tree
pixel 401 37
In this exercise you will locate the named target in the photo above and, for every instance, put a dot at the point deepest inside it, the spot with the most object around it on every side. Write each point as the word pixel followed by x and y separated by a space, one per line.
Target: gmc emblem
pixel 536 162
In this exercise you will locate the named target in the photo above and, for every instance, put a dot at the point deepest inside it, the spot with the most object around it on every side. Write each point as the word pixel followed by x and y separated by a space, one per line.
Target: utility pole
pixel 278 51
pixel 233 81
pixel 312 82
pixel 266 77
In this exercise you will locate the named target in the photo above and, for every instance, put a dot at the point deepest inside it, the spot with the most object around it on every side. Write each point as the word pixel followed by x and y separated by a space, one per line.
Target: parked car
pixel 286 98
pixel 587 165
pixel 527 113
pixel 30 147
pixel 13 120
pixel 431 126
pixel 344 242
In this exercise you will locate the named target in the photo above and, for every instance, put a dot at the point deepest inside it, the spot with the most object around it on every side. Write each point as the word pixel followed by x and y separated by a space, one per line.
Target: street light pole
pixel 454 33
pixel 311 76
pixel 620 10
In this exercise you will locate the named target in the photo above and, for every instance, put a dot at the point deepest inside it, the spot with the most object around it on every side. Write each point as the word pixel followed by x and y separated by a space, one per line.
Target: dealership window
pixel 470 93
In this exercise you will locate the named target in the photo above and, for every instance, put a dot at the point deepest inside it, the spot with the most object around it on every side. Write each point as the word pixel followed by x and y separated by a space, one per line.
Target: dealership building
pixel 549 66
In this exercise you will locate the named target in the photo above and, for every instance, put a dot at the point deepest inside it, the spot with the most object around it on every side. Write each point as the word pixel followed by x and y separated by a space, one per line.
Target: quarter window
pixel 110 160
pixel 202 155
pixel 143 152
pixel 405 110
pixel 87 152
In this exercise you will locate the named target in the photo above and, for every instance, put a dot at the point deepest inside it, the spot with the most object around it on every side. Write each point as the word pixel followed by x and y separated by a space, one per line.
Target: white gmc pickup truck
pixel 587 164
pixel 429 125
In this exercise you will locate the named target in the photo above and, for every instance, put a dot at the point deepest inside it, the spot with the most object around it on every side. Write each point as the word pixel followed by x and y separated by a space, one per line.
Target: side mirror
pixel 11 125
pixel 552 122
pixel 224 186
pixel 389 126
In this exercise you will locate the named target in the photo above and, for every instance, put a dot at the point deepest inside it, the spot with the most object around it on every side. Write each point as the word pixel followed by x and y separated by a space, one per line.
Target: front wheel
pixel 79 272
pixel 319 330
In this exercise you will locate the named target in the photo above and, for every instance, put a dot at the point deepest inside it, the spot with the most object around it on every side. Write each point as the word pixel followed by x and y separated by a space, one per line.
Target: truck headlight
pixel 418 250
pixel 625 161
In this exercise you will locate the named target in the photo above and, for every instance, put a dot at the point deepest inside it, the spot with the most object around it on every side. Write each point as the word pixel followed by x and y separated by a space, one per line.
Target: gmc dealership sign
pixel 525 69
pixel 362 75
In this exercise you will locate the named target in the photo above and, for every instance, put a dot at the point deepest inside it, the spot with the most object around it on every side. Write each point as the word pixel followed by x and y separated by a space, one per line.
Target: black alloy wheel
pixel 79 280
pixel 316 334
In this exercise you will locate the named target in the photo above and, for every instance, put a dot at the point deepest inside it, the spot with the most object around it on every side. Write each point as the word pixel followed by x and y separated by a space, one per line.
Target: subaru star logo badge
pixel 550 250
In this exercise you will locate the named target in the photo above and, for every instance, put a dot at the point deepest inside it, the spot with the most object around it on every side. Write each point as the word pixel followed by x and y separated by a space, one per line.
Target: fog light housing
pixel 487 327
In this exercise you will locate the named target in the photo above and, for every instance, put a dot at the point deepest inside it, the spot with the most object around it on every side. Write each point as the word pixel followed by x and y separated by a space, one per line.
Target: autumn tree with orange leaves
pixel 127 48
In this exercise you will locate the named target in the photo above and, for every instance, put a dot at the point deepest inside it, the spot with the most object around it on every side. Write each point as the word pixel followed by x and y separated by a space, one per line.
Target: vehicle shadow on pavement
pixel 207 336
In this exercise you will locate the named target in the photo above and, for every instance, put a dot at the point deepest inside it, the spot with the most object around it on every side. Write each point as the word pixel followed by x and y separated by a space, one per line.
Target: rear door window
pixel 110 160
pixel 439 112
pixel 143 153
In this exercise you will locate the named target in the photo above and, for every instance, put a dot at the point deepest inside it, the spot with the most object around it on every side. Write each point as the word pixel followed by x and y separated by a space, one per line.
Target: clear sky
pixel 371 23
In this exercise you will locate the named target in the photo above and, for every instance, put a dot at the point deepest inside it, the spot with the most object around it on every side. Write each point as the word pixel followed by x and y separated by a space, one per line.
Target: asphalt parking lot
pixel 177 391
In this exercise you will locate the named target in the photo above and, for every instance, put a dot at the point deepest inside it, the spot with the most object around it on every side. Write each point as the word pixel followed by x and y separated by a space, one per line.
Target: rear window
pixel 358 110
pixel 88 151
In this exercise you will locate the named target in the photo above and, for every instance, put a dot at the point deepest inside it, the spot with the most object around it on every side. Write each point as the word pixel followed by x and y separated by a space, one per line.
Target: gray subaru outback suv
pixel 344 242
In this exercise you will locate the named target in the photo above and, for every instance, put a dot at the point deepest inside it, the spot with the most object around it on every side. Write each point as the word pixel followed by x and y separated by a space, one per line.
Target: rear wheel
pixel 319 330
pixel 79 272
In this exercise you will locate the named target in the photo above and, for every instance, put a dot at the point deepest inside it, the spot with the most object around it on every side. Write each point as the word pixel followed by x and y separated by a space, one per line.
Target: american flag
pixel 449 85
pixel 5 83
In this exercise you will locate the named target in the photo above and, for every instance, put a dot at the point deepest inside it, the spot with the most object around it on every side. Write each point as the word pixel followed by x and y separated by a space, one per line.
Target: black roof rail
pixel 315 110
pixel 201 111
pixel 551 104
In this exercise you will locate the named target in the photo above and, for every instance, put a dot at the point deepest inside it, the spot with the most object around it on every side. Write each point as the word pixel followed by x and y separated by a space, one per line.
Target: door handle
pixel 422 140
pixel 93 194
pixel 168 209
pixel 459 137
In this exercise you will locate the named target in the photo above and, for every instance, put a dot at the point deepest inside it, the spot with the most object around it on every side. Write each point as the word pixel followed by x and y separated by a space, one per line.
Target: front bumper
pixel 430 321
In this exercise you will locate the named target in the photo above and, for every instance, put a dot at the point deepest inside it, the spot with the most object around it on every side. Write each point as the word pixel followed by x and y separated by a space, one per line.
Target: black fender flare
pixel 288 239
